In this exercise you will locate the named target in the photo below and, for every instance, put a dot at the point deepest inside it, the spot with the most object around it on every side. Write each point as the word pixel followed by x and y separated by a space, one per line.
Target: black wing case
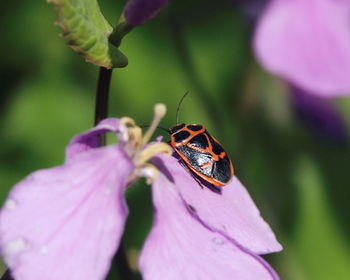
pixel 197 159
pixel 222 168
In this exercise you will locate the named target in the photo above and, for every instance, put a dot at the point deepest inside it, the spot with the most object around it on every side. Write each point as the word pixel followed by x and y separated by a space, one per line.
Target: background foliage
pixel 298 177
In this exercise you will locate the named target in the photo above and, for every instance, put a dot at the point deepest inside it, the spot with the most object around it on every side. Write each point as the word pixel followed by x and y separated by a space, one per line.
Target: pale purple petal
pixel 233 212
pixel 308 43
pixel 89 139
pixel 181 247
pixel 136 12
pixel 66 222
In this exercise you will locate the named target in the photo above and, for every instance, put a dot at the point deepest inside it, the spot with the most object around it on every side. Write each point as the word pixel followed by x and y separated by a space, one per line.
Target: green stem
pixel 101 112
pixel 122 28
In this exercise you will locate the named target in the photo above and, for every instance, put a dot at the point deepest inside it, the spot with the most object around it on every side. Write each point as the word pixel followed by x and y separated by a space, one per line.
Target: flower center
pixel 138 148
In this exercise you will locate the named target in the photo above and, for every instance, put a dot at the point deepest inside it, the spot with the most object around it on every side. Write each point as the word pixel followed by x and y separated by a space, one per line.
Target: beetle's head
pixel 176 128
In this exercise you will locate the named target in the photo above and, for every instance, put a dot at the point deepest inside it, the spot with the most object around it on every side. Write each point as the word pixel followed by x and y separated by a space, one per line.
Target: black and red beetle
pixel 201 152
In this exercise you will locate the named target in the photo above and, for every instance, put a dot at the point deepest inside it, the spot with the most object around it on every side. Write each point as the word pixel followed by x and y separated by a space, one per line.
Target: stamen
pixel 151 151
pixel 159 113
pixel 149 171
pixel 135 145
pixel 131 135
pixel 135 140
pixel 126 124
pixel 126 121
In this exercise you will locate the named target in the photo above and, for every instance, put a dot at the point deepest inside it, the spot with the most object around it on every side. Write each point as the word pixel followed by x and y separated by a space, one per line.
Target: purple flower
pixel 320 115
pixel 136 12
pixel 307 42
pixel 66 222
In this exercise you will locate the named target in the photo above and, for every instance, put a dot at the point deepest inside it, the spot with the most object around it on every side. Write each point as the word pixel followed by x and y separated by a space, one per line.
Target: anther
pixel 159 113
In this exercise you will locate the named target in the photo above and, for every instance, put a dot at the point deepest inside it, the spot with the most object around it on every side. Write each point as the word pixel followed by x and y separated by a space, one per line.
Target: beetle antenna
pixel 159 127
pixel 178 106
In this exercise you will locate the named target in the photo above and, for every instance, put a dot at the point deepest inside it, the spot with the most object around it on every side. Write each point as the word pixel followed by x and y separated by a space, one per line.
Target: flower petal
pixel 89 139
pixel 66 222
pixel 181 247
pixel 307 42
pixel 137 12
pixel 233 213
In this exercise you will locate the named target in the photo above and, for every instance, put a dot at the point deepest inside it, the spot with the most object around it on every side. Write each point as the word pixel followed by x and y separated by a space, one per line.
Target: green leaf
pixel 87 32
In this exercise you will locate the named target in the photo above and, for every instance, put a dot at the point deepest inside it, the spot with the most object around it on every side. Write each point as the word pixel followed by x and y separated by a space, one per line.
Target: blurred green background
pixel 298 178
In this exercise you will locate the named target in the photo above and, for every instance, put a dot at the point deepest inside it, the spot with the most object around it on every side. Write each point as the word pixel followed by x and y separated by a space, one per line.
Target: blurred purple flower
pixel 319 114
pixel 251 9
pixel 136 12
pixel 307 42
pixel 66 222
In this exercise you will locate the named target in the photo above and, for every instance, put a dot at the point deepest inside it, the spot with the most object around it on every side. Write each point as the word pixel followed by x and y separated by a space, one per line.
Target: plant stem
pixel 121 260
pixel 102 97
pixel 101 112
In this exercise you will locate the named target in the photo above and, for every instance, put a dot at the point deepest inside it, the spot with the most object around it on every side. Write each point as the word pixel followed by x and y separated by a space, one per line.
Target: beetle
pixel 201 152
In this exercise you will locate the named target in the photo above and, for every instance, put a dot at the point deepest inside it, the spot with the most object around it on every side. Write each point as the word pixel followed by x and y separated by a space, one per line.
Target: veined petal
pixel 181 247
pixel 232 213
pixel 307 42
pixel 66 222
pixel 89 139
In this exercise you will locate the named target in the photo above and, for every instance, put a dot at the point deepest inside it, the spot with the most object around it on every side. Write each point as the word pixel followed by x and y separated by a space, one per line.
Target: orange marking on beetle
pixel 205 165
pixel 222 155
pixel 209 179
